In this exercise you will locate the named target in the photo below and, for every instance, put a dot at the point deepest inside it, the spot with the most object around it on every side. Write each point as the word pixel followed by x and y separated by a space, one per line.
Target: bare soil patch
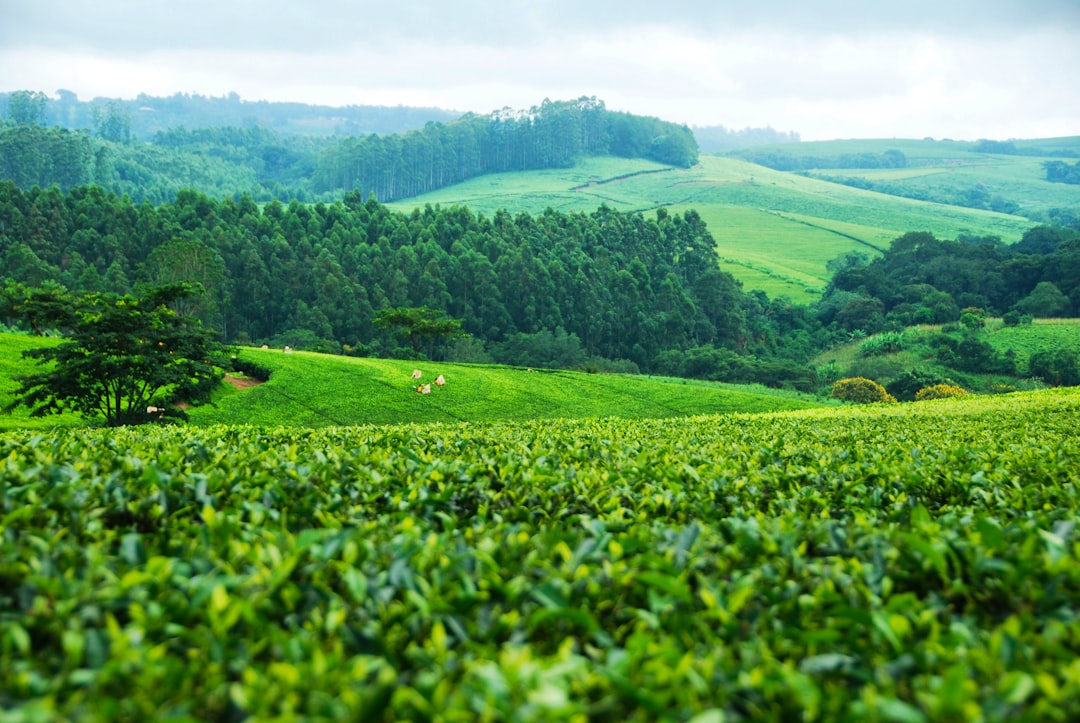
pixel 242 382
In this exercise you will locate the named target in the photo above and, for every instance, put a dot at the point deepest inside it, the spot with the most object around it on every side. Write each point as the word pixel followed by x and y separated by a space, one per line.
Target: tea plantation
pixel 909 562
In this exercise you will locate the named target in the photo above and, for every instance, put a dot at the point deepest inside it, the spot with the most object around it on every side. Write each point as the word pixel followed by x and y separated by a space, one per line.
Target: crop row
pixel 912 563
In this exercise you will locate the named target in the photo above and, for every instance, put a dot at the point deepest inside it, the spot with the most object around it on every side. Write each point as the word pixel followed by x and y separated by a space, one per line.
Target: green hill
pixel 919 349
pixel 974 175
pixel 318 390
pixel 775 230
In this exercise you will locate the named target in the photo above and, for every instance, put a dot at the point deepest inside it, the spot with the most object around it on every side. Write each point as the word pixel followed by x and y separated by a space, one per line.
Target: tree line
pixel 605 290
pixel 142 117
pixel 604 286
pixel 551 135
pixel 230 161
pixel 921 279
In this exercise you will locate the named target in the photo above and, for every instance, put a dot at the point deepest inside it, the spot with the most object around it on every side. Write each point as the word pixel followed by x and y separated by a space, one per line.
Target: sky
pixel 960 69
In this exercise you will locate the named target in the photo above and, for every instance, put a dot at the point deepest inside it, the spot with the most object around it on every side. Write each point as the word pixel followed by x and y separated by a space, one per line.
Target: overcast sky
pixel 963 69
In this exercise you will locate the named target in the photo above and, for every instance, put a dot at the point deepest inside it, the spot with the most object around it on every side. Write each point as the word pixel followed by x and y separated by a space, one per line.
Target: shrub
pixel 940 391
pixel 860 390
pixel 905 386
pixel 1056 367
pixel 973 317
pixel 887 342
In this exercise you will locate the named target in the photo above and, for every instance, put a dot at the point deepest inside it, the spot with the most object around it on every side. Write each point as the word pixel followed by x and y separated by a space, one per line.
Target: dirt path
pixel 242 382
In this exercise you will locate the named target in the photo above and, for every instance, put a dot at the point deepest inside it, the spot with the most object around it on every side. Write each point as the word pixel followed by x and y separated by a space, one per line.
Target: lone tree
pixel 124 357
pixel 419 325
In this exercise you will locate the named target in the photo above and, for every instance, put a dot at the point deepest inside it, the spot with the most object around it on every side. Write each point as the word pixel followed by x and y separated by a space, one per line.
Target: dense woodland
pixel 924 280
pixel 608 285
pixel 264 164
pixel 606 290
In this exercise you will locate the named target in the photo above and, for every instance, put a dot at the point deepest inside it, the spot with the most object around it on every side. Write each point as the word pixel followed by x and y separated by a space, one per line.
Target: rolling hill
pixel 775 230
pixel 318 390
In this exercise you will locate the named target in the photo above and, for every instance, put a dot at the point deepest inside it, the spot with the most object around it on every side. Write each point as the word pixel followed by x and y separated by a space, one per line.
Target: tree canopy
pixel 124 358
pixel 236 157
pixel 420 326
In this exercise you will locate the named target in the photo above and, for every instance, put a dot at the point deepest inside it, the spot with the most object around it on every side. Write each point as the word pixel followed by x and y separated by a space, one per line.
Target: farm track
pixel 856 239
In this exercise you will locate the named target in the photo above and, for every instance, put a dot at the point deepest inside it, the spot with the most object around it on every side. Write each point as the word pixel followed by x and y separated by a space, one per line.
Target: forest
pixel 606 290
pixel 228 161
pixel 142 117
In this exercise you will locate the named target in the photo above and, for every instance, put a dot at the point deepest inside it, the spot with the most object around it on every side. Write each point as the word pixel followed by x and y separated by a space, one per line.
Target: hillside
pixel 228 161
pixel 1006 176
pixel 929 354
pixel 319 390
pixel 775 231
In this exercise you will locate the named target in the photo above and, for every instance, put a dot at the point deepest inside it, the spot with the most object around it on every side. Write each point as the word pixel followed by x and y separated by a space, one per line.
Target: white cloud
pixel 832 68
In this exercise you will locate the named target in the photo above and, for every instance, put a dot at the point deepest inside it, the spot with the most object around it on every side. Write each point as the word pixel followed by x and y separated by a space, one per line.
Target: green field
pixel 946 169
pixel 775 231
pixel 1042 335
pixel 914 562
pixel 318 390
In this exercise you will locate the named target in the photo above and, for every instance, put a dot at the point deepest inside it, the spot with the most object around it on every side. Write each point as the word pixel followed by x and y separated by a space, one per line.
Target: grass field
pixel 12 364
pixel 943 170
pixel 317 390
pixel 775 231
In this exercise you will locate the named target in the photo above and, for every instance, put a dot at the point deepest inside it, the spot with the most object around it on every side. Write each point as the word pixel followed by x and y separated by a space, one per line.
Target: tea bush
pixel 894 563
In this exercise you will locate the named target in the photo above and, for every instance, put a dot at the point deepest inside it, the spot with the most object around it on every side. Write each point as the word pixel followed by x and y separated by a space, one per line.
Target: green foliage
pixel 906 385
pixel 888 342
pixel 972 318
pixel 1061 172
pixel 893 563
pixel 1015 318
pixel 940 391
pixel 995 359
pixel 1056 367
pixel 1045 300
pixel 123 359
pixel 27 107
pixel 972 353
pixel 545 349
pixel 421 326
pixel 31 155
pixel 860 390
pixel 315 276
